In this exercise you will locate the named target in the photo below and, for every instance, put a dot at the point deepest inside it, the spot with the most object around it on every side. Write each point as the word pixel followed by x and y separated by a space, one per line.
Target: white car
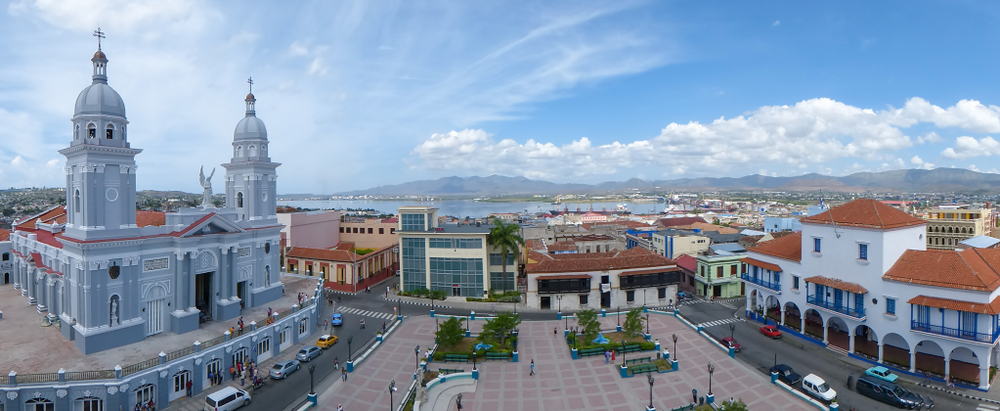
pixel 226 399
pixel 816 387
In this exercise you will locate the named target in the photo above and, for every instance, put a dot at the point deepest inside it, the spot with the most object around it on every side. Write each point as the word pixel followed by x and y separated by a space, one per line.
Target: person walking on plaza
pixel 387 292
pixel 607 356
pixel 243 376
pixel 612 355
pixel 232 370
pixel 343 374
pixel 532 367
pixel 189 385
pixel 326 323
pixel 340 407
pixel 554 333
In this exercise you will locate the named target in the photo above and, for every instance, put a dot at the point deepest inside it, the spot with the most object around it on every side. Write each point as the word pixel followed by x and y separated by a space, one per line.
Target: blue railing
pixel 853 312
pixel 761 282
pixel 954 332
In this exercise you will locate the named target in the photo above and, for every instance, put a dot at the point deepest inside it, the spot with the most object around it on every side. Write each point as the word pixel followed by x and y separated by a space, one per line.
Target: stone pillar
pixel 881 352
pixel 189 256
pixel 32 286
pixel 826 334
pixel 850 342
pixel 947 366
pixel 179 303
pixel 984 375
pixel 913 359
pixel 782 315
pixel 16 273
pixel 802 322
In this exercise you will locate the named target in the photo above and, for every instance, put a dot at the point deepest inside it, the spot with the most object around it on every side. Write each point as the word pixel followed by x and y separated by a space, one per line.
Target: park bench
pixel 446 371
pixel 497 356
pixel 641 369
pixel 636 361
pixel 628 348
pixel 456 357
pixel 590 351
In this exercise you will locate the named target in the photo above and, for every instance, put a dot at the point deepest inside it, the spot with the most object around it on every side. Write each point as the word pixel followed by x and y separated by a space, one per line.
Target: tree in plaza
pixel 587 319
pixel 633 323
pixel 505 239
pixel 451 332
pixel 501 326
pixel 737 405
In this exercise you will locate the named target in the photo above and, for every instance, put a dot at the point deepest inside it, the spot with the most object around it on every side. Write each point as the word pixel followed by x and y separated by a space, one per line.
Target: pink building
pixel 592 217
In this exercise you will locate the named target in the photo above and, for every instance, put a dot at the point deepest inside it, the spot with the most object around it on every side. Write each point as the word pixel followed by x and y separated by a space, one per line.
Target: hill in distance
pixel 914 180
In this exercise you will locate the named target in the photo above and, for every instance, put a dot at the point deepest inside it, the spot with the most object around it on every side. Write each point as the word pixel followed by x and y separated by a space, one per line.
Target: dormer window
pixel 91 131
pixel 110 132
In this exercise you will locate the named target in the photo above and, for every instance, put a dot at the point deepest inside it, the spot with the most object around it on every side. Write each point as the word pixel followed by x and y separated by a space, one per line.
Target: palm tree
pixel 505 238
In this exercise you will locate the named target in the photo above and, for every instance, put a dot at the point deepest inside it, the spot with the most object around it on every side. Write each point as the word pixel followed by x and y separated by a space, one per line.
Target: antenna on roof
pixel 834 223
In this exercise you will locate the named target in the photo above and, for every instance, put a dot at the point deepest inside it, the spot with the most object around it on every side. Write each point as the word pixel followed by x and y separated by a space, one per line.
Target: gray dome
pixel 250 128
pixel 100 98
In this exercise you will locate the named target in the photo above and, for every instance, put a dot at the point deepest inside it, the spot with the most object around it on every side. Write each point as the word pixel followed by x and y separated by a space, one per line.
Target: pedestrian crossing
pixel 719 322
pixel 723 303
pixel 366 313
pixel 987 407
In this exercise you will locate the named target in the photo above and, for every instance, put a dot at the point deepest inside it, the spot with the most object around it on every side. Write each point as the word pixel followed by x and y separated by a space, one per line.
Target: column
pixel 224 276
pixel 913 360
pixel 881 352
pixel 189 265
pixel 947 366
pixel 802 322
pixel 850 342
pixel 32 286
pixel 826 334
pixel 984 375
pixel 782 315
pixel 178 279
pixel 16 273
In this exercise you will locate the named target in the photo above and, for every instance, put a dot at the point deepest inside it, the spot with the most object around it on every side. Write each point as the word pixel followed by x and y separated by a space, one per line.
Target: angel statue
pixel 206 184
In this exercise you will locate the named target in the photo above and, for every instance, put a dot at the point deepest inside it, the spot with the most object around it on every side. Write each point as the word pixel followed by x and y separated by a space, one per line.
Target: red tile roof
pixel 561 277
pixel 650 271
pixel 974 269
pixel 687 262
pixel 866 213
pixel 679 221
pixel 47 217
pixel 4 234
pixel 708 227
pixel 761 264
pixel 632 258
pixel 144 218
pixel 993 308
pixel 788 247
pixel 838 284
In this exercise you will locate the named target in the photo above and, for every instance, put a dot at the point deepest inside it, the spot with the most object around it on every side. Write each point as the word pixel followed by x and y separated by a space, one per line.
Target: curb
pixel 396 300
pixel 956 393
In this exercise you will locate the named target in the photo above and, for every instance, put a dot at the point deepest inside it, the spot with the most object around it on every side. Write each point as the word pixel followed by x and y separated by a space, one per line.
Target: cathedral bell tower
pixel 251 182
pixel 100 164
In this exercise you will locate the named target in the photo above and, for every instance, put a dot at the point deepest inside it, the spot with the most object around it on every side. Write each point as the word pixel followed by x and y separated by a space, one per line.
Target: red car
pixel 728 341
pixel 770 331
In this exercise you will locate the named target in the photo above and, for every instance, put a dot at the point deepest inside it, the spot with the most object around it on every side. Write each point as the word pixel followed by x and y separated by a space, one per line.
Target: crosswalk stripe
pixel 366 313
pixel 987 407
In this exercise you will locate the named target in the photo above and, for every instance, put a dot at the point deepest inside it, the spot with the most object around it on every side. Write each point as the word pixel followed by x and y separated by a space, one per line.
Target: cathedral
pixel 111 275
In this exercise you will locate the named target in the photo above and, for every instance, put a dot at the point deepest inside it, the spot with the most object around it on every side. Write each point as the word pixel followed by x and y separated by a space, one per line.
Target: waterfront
pixel 468 208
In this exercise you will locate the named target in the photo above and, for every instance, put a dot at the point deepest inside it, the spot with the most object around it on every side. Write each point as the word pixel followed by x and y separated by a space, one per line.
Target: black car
pixel 786 374
pixel 890 393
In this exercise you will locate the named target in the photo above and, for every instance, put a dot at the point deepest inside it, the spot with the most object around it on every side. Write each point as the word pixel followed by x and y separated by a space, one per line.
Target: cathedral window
pixel 123 132
pixel 76 133
pixel 253 151
pixel 76 201
pixel 267 274
pixel 239 151
pixel 6 256
pixel 110 132
pixel 91 130
pixel 239 200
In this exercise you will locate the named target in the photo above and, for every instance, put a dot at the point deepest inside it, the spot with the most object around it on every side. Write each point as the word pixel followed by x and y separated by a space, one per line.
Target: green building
pixel 718 273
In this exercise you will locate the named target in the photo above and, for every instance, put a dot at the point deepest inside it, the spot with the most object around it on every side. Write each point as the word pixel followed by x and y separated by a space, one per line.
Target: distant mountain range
pixel 939 180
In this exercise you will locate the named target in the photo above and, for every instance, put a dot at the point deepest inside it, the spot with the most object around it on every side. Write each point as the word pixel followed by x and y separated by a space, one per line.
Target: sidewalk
pixel 367 388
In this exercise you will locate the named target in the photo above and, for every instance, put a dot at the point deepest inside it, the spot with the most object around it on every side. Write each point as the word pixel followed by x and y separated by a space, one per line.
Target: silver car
pixel 308 353
pixel 282 369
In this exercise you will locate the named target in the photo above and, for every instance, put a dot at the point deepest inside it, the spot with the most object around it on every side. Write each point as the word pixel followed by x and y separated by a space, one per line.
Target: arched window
pixel 76 201
pixel 109 132
pixel 88 404
pixel 124 129
pixel 267 273
pixel 76 132
pixel 6 256
pixel 239 200
pixel 39 404
pixel 253 151
pixel 91 130
pixel 239 151
pixel 263 150
pixel 145 394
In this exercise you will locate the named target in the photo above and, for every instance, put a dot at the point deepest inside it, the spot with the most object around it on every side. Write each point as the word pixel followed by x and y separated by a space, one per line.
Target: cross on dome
pixel 100 35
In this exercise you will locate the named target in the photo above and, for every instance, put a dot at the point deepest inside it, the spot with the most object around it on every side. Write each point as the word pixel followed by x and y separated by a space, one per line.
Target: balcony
pixel 852 312
pixel 954 332
pixel 761 282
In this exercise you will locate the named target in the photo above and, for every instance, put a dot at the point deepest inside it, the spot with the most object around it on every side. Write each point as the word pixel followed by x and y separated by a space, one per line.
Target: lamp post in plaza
pixel 650 376
pixel 711 370
pixel 312 370
pixel 559 298
pixel 392 388
pixel 623 353
pixel 350 339
pixel 732 330
pixel 647 322
pixel 416 357
pixel 675 347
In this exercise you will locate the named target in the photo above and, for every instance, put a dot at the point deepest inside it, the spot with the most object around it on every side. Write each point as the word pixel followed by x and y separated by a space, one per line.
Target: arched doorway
pixel 88 404
pixel 793 318
pixel 837 333
pixel 179 388
pixel 814 324
pixel 930 358
pixel 866 342
pixel 773 309
pixel 896 351
pixel 963 366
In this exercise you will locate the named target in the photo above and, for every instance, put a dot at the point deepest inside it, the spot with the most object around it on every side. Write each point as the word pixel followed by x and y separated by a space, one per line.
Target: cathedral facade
pixel 113 276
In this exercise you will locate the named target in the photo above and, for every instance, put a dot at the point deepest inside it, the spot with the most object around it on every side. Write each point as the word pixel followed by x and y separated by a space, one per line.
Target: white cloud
pixel 969 115
pixel 18 162
pixel 916 160
pixel 930 137
pixel 966 147
pixel 317 67
pixel 776 23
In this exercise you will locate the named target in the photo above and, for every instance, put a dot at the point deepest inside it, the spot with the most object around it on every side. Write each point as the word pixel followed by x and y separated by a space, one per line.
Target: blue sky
pixel 359 94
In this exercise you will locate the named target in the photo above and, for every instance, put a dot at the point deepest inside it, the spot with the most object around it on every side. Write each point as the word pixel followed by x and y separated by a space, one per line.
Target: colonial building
pixel 455 258
pixel 616 279
pixel 113 279
pixel 369 232
pixel 342 268
pixel 859 279
pixel 948 225
pixel 718 271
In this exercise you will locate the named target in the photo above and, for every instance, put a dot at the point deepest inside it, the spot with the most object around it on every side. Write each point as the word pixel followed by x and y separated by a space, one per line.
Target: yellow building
pixel 947 225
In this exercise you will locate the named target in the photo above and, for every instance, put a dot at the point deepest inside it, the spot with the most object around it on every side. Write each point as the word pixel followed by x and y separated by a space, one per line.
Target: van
pixel 226 399
pixel 817 387
pixel 890 393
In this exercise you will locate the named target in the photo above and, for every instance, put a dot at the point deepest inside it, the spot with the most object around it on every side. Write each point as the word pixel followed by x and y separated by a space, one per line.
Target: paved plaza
pixel 560 383
pixel 30 348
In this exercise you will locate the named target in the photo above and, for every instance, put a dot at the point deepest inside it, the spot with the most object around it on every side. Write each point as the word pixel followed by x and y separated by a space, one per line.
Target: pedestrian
pixel 554 333
pixel 336 363
pixel 340 407
pixel 386 291
pixel 343 374
pixel 326 323
pixel 189 385
pixel 243 377
pixel 241 327
pixel 694 396
pixel 211 378
pixel 493 308
pixel 612 355
pixel 607 356
pixel 532 367
pixel 232 331
pixel 232 370
pixel 383 327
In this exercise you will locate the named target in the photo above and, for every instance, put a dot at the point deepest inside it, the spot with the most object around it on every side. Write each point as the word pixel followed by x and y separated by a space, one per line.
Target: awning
pixel 840 285
pixel 757 263
pixel 957 305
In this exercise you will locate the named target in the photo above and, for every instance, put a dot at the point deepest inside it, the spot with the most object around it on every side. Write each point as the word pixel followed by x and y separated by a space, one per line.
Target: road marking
pixel 718 322
pixel 987 407
pixel 366 313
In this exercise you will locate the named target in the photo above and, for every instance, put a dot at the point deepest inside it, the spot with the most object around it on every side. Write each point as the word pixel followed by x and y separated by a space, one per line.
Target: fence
pixel 90 375
pixel 140 366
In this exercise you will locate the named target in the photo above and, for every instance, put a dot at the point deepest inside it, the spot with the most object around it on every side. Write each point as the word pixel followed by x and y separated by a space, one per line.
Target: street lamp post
pixel 732 330
pixel 711 370
pixel 392 388
pixel 399 303
pixel 312 370
pixel 675 347
pixel 350 339
pixel 650 390
pixel 473 360
pixel 647 322
pixel 619 315
pixel 623 353
pixel 416 357
pixel 354 270
pixel 559 298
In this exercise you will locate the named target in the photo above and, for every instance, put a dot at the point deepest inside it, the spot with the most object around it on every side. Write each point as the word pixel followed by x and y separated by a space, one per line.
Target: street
pixel 760 351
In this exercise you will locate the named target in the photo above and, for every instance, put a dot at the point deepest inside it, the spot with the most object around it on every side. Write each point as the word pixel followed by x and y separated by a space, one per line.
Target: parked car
pixel 770 331
pixel 881 372
pixel 891 393
pixel 308 353
pixel 729 341
pixel 326 341
pixel 786 374
pixel 338 319
pixel 282 369
pixel 817 387
pixel 226 399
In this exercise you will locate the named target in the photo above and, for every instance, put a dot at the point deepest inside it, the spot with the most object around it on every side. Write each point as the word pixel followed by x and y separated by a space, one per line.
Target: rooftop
pixel 972 269
pixel 616 260
pixel 788 247
pixel 865 213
